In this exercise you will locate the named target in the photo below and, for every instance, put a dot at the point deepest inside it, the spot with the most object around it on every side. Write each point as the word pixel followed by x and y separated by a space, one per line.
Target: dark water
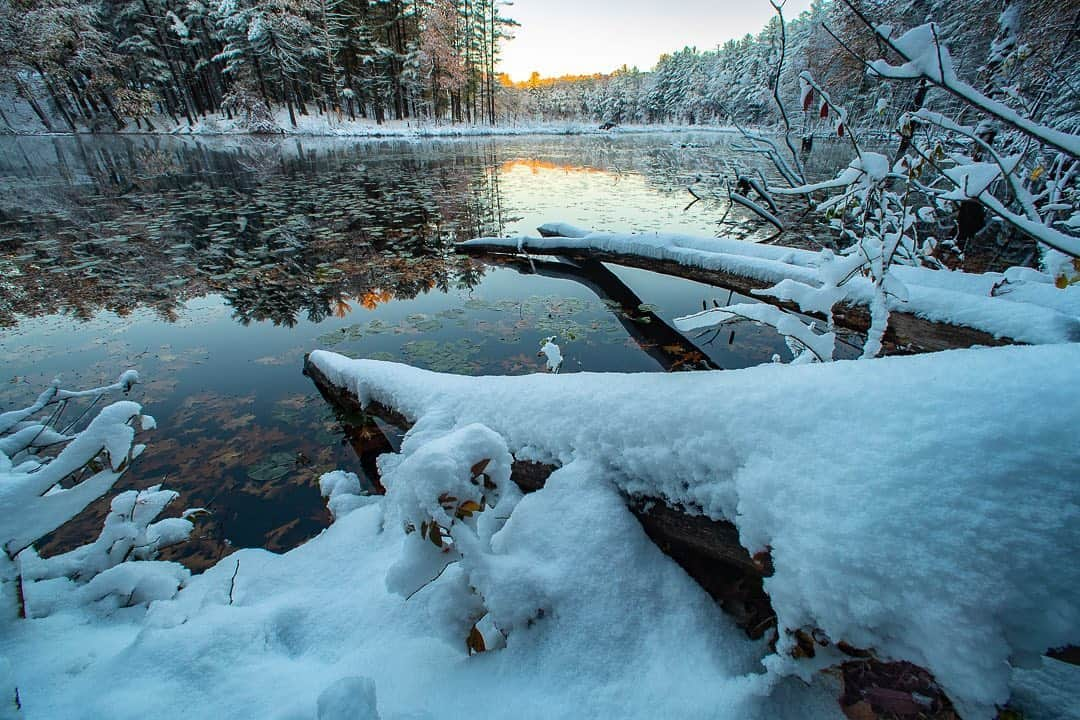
pixel 213 266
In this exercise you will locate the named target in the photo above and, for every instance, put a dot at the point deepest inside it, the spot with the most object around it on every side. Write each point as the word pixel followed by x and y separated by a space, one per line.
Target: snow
pixel 862 172
pixel 350 698
pixel 1030 310
pixel 553 353
pixel 342 492
pixel 562 229
pixel 925 57
pixel 971 179
pixel 28 513
pixel 305 629
pixel 947 541
pixel 119 565
pixel 136 582
pixel 1048 691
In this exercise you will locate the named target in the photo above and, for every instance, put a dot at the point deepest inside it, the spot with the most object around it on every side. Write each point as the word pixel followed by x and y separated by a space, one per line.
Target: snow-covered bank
pixel 949 540
pixel 1022 304
pixel 324 126
pixel 23 122
pixel 626 634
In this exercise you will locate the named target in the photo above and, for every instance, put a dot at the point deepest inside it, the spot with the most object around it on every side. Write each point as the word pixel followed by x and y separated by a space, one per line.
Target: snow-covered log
pixel 947 539
pixel 942 309
pixel 708 549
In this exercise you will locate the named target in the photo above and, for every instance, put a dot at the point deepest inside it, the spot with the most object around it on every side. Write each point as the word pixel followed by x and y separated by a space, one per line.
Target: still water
pixel 213 266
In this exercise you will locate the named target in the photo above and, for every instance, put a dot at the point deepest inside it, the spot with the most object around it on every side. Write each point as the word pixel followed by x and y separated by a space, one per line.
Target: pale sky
pixel 562 37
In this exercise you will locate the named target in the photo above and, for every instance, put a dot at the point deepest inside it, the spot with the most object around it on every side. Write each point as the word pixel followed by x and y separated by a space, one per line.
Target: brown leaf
pixel 852 650
pixel 467 508
pixel 475 642
pixel 763 560
pixel 804 645
pixel 435 534
pixel 480 467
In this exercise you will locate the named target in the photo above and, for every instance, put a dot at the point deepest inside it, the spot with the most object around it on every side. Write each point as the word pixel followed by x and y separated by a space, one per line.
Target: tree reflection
pixel 279 230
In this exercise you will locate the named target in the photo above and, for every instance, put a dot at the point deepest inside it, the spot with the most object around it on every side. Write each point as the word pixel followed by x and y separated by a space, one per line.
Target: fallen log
pixel 708 550
pixel 906 333
pixel 711 553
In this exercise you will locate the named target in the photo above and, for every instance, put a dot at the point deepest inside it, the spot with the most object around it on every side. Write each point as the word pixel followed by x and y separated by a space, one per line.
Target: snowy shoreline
pixel 390 130
pixel 938 553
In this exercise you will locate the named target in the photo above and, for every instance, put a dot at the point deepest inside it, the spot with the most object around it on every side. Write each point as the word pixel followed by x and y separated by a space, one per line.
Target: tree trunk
pixel 112 110
pixel 57 101
pixel 708 549
pixel 29 96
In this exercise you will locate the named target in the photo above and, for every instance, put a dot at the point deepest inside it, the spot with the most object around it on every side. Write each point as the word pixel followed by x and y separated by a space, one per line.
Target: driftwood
pixel 906 333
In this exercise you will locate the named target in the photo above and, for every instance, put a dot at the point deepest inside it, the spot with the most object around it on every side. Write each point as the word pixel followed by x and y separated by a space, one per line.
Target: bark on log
pixel 906 333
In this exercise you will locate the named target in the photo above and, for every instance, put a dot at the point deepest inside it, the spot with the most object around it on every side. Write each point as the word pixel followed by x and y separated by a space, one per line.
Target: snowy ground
pixel 628 634
pixel 948 538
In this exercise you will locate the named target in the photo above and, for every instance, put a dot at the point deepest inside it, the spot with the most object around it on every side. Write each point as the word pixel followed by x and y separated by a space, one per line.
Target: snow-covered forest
pixel 109 64
pixel 1030 59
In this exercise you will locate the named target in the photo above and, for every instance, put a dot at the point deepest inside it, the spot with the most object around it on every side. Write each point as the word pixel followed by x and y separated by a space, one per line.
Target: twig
pixel 232 582
pixel 439 575
pixel 697 199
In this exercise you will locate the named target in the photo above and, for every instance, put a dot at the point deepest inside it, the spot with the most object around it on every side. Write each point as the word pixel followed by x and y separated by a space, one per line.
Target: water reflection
pixel 213 266
pixel 276 233
pixel 298 226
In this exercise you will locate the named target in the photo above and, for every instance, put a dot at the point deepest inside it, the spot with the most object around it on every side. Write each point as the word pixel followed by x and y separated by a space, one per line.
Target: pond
pixel 212 266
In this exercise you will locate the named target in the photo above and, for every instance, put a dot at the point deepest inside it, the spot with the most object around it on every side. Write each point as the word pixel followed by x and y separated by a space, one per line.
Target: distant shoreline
pixel 358 130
